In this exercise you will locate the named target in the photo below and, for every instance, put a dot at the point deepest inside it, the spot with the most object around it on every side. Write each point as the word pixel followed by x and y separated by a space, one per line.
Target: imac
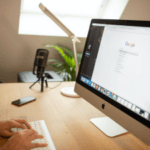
pixel 114 76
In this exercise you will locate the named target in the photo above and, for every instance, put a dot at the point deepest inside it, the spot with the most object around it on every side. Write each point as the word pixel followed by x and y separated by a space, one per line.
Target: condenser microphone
pixel 40 62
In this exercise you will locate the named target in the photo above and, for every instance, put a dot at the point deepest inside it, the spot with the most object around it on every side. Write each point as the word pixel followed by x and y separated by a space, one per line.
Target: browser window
pixel 115 64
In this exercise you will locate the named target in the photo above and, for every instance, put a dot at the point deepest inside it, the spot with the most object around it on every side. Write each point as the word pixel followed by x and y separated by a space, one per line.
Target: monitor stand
pixel 69 92
pixel 108 126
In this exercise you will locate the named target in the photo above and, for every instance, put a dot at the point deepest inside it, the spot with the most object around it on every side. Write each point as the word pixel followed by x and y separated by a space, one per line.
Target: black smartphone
pixel 23 100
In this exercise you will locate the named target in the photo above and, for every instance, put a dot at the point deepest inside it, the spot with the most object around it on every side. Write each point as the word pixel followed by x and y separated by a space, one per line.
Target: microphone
pixel 40 62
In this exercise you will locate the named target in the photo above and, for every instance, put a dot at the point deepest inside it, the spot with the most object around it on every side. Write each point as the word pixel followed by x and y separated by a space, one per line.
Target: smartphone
pixel 23 100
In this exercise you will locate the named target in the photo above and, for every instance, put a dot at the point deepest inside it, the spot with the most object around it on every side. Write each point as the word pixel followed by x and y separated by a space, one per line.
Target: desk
pixel 67 119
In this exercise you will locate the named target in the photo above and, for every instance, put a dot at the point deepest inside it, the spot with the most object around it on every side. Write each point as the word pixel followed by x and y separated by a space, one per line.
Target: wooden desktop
pixel 67 119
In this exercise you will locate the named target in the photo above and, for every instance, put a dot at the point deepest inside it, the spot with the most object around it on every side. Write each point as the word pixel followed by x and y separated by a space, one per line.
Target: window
pixel 76 15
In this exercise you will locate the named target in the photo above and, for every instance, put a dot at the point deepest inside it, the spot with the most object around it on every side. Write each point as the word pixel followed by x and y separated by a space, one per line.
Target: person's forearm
pixel 2 123
pixel 1 148
pixel 5 147
pixel 0 128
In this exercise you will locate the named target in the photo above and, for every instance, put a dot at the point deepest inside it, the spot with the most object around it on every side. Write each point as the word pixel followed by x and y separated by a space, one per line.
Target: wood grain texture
pixel 67 119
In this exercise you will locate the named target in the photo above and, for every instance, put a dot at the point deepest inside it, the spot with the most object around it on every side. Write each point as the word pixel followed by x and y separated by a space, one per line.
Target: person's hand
pixel 5 127
pixel 22 140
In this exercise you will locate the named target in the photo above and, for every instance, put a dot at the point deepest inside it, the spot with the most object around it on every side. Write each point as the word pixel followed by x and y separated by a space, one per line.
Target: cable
pixel 52 87
pixel 55 86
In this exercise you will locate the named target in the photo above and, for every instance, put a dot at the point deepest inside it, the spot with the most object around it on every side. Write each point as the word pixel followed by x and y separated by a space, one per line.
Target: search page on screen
pixel 122 64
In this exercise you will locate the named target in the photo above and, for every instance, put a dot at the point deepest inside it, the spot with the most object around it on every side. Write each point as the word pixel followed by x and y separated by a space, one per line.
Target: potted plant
pixel 66 69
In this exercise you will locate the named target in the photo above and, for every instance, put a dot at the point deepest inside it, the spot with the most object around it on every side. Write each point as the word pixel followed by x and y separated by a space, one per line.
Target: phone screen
pixel 23 100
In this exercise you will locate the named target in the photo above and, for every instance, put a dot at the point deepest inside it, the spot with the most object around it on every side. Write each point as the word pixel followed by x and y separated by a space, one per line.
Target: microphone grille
pixel 41 57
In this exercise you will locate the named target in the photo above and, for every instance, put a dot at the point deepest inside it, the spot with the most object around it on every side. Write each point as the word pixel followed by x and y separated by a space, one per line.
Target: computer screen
pixel 116 66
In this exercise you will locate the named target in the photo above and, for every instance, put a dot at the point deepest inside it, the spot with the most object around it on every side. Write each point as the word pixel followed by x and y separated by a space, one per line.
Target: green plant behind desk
pixel 67 69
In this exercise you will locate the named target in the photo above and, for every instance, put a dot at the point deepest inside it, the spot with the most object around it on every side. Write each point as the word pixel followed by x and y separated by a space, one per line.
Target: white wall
pixel 137 10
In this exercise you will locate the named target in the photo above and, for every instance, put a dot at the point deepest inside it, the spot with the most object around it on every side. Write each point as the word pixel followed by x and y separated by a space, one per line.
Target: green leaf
pixel 56 68
pixel 69 60
pixel 67 50
pixel 52 60
pixel 66 70
pixel 79 57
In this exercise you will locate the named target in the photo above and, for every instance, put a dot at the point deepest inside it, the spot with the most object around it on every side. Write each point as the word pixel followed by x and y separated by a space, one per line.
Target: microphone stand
pixel 42 81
